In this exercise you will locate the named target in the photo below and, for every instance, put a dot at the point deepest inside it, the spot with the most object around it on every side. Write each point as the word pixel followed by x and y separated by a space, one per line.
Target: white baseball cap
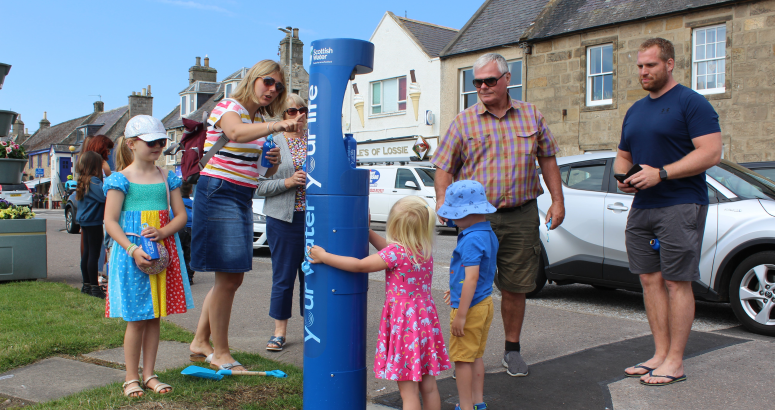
pixel 146 128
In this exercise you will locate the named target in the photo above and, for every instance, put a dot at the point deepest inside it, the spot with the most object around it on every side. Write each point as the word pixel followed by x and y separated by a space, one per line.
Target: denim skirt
pixel 222 230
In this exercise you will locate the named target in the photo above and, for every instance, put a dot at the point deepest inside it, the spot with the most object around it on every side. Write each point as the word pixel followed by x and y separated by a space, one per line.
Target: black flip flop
pixel 672 380
pixel 639 366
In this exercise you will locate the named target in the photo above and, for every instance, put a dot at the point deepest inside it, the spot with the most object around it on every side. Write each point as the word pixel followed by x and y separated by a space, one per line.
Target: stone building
pixel 300 84
pixel 577 64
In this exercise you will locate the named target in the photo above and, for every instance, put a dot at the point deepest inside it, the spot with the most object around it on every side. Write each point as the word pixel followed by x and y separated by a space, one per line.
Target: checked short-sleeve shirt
pixel 500 153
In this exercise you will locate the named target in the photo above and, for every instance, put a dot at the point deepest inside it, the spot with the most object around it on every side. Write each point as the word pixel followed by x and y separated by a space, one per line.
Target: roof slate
pixel 430 37
pixel 54 134
pixel 496 23
pixel 567 16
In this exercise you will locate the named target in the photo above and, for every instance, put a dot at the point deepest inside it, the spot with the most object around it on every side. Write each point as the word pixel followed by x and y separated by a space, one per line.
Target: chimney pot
pixel 44 115
pixel 143 92
pixel 295 33
pixel 199 61
pixel 149 90
pixel 207 61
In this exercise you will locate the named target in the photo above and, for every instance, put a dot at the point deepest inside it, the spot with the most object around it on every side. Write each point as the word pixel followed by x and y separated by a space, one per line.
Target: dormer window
pixel 227 92
pixel 183 106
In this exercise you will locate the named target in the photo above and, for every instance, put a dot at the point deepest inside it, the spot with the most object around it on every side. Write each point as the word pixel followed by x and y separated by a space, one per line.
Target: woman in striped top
pixel 222 232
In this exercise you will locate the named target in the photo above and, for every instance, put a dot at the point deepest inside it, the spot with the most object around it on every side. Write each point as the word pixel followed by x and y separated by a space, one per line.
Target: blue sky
pixel 64 53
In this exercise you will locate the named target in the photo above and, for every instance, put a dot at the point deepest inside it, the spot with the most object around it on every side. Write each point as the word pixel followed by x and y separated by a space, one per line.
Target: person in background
pixel 185 233
pixel 284 209
pixel 90 202
pixel 101 145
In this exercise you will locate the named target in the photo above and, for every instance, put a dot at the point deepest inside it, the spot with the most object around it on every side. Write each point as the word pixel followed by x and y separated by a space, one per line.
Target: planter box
pixel 6 120
pixel 11 170
pixel 23 249
pixel 4 69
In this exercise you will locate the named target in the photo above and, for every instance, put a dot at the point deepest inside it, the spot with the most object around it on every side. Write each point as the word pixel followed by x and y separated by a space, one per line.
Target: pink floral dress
pixel 410 341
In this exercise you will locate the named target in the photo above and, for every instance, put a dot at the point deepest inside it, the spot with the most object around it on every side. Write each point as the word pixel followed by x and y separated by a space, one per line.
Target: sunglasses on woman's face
pixel 269 81
pixel 490 81
pixel 160 142
pixel 293 111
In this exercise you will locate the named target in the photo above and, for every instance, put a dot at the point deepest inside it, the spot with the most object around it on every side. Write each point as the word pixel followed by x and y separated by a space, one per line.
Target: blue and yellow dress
pixel 132 294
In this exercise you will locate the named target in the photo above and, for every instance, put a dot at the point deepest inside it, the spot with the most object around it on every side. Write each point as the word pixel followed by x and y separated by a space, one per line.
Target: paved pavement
pixel 577 340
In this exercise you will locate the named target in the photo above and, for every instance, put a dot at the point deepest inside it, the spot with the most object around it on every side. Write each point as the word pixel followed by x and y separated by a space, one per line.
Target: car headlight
pixel 260 218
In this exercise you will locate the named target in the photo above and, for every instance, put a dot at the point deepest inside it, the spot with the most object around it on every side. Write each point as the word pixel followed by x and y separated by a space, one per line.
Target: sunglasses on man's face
pixel 293 111
pixel 270 81
pixel 160 142
pixel 490 81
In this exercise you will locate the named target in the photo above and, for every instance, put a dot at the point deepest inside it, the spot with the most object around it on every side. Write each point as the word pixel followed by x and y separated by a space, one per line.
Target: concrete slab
pixel 735 377
pixel 54 378
pixel 170 356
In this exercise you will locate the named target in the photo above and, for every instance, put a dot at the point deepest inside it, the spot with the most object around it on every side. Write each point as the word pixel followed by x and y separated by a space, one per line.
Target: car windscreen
pixel 769 173
pixel 427 175
pixel 743 182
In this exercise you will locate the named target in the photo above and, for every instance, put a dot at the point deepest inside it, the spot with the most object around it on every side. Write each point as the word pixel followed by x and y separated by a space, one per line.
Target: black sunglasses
pixel 491 81
pixel 293 111
pixel 269 81
pixel 160 142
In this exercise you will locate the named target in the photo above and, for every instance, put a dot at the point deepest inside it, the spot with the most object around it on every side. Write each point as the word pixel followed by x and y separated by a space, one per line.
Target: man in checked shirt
pixel 497 142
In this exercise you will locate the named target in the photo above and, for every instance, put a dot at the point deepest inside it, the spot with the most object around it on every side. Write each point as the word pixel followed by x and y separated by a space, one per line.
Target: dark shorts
pixel 519 248
pixel 679 229
pixel 222 231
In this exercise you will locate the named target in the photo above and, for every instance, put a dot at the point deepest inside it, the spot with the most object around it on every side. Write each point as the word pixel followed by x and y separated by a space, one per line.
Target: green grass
pixel 237 392
pixel 44 319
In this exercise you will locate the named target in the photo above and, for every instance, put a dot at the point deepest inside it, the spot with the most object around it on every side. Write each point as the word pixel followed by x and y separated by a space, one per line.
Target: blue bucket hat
pixel 464 198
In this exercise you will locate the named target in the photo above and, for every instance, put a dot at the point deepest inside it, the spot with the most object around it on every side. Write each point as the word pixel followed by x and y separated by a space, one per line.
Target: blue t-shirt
pixel 477 245
pixel 658 132
pixel 189 203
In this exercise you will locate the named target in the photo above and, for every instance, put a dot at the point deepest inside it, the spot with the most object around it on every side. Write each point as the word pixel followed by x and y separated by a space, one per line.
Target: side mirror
pixel 410 184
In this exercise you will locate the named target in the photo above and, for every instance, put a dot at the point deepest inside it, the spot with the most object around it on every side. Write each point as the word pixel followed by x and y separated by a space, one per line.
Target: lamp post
pixel 289 31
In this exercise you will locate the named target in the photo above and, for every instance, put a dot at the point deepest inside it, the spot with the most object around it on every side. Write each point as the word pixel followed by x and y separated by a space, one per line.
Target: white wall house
pixel 386 116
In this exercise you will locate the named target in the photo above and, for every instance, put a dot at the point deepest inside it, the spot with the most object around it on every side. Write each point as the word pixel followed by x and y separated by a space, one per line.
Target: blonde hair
pixel 245 90
pixel 294 100
pixel 124 155
pixel 411 224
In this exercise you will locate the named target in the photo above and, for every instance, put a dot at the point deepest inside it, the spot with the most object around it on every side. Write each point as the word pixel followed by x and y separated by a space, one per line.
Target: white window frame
pixel 227 92
pixel 183 104
pixel 605 101
pixel 192 103
pixel 696 62
pixel 171 135
pixel 462 97
pixel 382 97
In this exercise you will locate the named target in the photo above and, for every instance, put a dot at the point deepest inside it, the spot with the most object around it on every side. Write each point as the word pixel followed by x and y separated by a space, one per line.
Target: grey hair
pixel 489 58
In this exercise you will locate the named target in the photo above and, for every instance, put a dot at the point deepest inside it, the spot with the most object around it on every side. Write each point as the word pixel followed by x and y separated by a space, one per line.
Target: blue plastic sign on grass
pixel 337 220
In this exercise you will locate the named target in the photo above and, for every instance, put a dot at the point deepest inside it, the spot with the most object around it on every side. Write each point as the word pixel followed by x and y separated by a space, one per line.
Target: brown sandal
pixel 137 389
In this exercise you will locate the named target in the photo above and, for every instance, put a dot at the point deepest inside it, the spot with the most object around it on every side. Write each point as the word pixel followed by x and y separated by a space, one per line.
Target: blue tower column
pixel 337 220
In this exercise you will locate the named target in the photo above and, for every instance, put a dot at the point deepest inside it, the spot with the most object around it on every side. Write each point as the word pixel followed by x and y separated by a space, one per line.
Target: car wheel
pixel 752 293
pixel 540 279
pixel 70 224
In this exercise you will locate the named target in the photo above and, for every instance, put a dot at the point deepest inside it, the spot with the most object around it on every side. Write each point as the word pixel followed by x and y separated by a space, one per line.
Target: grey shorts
pixel 679 229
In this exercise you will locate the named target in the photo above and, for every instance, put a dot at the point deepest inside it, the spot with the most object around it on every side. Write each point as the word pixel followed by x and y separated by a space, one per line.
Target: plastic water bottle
pixel 654 244
pixel 269 144
pixel 351 147
pixel 149 246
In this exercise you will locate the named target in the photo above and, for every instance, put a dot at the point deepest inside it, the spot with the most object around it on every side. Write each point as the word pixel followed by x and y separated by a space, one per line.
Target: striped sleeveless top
pixel 237 163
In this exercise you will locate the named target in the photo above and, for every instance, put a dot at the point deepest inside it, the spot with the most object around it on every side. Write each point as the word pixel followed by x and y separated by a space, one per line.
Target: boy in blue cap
pixel 471 274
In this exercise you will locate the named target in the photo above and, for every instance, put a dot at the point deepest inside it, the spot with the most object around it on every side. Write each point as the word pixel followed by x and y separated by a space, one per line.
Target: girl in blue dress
pixel 136 196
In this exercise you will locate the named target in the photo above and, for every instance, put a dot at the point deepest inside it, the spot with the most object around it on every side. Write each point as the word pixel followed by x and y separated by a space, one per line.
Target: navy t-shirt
pixel 658 132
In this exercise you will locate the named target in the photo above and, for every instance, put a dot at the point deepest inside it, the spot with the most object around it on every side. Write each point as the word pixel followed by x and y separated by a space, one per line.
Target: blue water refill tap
pixel 336 219
pixel 269 144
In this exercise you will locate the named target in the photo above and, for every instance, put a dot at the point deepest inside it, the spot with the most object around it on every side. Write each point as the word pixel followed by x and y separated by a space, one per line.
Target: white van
pixel 389 183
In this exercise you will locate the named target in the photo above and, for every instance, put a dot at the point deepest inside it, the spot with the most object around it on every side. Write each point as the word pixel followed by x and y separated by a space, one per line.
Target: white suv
pixel 737 264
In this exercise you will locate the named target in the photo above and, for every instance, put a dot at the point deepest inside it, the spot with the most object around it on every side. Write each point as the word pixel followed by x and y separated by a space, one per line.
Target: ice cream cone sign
pixel 414 94
pixel 421 148
pixel 358 103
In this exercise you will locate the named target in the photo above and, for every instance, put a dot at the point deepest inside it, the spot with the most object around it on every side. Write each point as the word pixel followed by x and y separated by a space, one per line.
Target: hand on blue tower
pixel 316 254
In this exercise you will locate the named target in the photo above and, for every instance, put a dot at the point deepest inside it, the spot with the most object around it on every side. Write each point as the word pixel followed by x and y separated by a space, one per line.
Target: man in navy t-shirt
pixel 674 135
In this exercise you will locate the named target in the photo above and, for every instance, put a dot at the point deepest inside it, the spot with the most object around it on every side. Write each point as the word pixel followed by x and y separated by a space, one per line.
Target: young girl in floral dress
pixel 411 348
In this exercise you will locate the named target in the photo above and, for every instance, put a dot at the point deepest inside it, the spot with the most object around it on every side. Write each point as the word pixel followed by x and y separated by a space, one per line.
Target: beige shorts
pixel 471 346
pixel 519 248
